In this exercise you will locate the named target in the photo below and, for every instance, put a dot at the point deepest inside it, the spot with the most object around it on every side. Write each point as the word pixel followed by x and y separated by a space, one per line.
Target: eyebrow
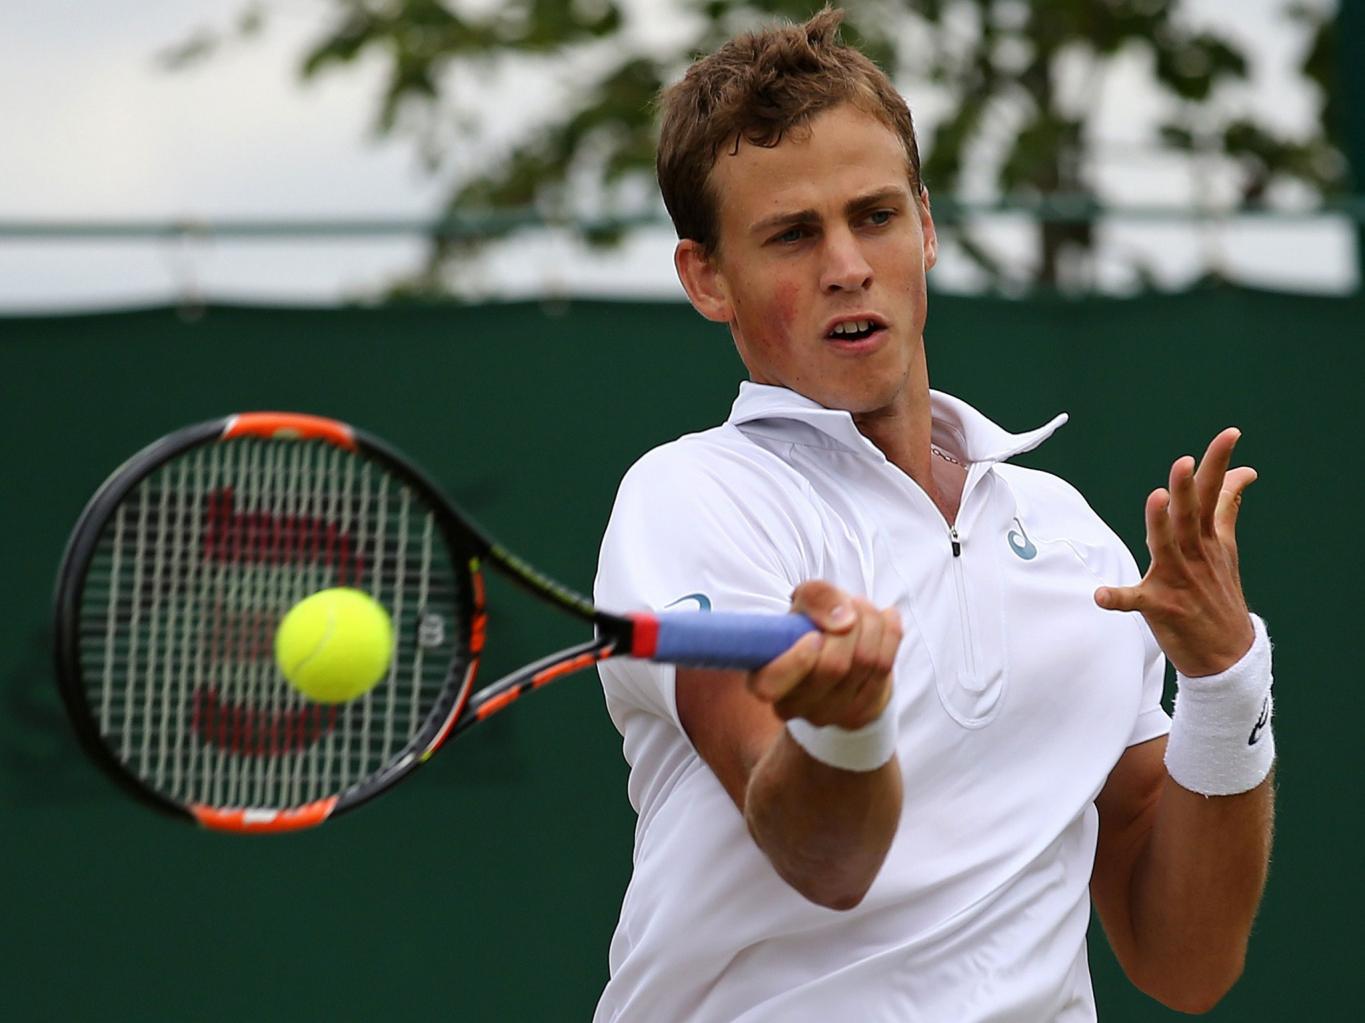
pixel 877 198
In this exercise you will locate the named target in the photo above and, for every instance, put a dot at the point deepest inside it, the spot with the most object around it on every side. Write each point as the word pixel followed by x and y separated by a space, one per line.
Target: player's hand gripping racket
pixel 184 561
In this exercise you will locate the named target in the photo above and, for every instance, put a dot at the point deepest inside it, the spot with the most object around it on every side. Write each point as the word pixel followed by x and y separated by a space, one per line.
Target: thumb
pixel 829 607
pixel 1119 598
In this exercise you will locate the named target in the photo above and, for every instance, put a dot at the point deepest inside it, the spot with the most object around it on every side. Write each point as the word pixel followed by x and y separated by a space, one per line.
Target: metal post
pixel 1351 83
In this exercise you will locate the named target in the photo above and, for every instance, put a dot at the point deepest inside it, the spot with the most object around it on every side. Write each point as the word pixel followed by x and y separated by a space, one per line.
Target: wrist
pixel 850 749
pixel 1221 742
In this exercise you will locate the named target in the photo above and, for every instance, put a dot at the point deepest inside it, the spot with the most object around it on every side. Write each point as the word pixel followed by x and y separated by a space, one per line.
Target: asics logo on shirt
pixel 703 601
pixel 1020 543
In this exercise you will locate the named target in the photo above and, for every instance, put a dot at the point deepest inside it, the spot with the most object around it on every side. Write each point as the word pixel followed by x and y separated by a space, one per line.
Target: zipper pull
pixel 956 541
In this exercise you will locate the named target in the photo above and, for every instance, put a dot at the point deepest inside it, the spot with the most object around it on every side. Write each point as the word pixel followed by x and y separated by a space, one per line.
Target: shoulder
pixel 722 457
pixel 1053 509
pixel 718 472
pixel 708 510
pixel 1049 494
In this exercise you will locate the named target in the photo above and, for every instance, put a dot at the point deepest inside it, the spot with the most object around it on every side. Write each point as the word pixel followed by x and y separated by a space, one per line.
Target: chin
pixel 866 397
pixel 858 403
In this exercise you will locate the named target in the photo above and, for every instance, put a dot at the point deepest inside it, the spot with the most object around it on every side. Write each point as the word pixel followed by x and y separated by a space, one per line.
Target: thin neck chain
pixel 945 456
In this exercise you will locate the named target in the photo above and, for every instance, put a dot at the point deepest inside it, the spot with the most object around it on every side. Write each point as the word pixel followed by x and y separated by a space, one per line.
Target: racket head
pixel 177 573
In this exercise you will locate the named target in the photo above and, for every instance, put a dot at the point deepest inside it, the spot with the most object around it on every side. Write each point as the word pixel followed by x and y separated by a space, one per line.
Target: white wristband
pixel 1220 742
pixel 859 749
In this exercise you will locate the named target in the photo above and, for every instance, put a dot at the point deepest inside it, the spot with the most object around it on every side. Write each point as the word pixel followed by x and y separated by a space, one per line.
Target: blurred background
pixel 438 220
pixel 353 150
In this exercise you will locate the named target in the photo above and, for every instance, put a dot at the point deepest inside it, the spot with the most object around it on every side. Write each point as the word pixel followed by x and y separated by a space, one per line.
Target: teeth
pixel 852 327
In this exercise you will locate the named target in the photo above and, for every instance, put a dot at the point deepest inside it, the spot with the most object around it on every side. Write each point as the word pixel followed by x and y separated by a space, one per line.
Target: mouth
pixel 855 330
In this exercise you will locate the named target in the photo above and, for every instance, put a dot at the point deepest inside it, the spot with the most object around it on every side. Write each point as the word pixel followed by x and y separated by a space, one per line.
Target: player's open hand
pixel 1191 595
pixel 841 674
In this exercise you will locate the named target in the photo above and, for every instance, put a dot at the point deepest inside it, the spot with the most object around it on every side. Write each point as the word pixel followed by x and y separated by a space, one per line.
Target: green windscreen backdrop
pixel 487 887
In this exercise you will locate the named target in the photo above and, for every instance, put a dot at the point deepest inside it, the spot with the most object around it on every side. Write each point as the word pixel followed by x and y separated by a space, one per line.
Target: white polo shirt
pixel 1015 697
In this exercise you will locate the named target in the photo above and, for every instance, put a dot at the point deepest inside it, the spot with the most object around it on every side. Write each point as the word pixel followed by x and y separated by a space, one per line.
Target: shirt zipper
pixel 960 581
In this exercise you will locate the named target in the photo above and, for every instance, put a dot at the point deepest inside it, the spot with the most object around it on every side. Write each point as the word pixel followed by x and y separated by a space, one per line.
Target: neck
pixel 903 436
pixel 901 429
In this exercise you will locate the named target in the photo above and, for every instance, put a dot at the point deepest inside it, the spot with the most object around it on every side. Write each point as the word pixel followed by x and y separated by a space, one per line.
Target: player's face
pixel 820 271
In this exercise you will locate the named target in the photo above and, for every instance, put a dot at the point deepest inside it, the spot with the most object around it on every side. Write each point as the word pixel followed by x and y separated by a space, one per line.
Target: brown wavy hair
pixel 757 88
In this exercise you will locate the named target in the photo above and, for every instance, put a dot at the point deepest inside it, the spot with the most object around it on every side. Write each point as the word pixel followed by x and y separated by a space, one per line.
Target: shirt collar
pixel 957 427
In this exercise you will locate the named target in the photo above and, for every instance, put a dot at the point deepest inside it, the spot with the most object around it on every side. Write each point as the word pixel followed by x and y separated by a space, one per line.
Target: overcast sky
pixel 95 129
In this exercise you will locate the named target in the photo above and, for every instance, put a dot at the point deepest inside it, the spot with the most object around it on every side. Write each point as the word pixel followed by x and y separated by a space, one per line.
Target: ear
pixel 926 222
pixel 701 279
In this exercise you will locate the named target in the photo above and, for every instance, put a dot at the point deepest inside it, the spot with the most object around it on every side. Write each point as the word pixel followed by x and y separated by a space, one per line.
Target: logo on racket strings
pixel 431 630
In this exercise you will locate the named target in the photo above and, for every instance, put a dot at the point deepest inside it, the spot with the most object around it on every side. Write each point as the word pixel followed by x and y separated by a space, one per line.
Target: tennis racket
pixel 184 561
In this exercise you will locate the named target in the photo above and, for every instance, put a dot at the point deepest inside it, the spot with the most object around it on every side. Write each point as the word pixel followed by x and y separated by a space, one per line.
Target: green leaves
pixel 421 39
pixel 1191 66
pixel 205 42
pixel 1013 126
pixel 1005 61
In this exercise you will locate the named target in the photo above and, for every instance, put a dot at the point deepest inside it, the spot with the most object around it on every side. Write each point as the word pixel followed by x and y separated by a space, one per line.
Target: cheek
pixel 786 302
pixel 770 318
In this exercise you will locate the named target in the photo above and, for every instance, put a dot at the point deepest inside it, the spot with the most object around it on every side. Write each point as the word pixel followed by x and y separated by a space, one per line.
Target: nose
pixel 845 267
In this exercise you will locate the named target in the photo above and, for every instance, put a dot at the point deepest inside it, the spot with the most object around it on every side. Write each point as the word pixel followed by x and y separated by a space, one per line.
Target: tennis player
pixel 907 815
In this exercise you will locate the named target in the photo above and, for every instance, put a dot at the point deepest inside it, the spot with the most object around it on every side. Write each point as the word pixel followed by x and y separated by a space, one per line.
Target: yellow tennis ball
pixel 334 645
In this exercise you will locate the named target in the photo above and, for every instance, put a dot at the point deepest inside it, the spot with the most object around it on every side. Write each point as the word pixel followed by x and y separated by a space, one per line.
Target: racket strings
pixel 187 585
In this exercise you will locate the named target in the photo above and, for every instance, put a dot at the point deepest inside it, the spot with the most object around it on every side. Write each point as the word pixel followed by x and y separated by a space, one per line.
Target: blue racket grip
pixel 719 639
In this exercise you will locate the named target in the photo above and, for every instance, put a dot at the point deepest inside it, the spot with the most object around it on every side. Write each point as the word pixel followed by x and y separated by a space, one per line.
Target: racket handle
pixel 716 640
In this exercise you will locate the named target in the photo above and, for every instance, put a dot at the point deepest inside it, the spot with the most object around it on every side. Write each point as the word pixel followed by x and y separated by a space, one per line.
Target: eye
pixel 880 218
pixel 790 235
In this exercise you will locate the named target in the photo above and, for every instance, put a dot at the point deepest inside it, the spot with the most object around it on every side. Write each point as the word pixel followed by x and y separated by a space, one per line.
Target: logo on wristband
pixel 1261 722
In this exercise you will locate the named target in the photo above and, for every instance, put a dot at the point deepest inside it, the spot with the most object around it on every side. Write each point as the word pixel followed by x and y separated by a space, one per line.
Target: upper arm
pixel 729 727
pixel 1127 810
pixel 726 529
pixel 1177 879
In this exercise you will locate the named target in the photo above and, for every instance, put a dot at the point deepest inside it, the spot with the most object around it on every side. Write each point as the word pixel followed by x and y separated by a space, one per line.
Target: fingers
pixel 1160 532
pixel 1186 527
pixel 1183 511
pixel 847 662
pixel 1200 500
pixel 1230 502
pixel 832 612
pixel 1213 468
pixel 779 676
pixel 840 675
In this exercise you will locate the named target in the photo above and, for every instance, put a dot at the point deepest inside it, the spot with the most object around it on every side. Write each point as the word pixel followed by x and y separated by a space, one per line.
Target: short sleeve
pixel 700 526
pixel 1152 720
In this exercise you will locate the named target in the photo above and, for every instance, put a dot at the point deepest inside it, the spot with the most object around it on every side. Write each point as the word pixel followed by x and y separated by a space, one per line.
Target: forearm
pixel 1196 884
pixel 806 745
pixel 825 830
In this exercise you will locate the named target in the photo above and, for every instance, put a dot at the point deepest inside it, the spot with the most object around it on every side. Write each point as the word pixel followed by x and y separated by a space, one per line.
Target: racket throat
pixel 508 689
